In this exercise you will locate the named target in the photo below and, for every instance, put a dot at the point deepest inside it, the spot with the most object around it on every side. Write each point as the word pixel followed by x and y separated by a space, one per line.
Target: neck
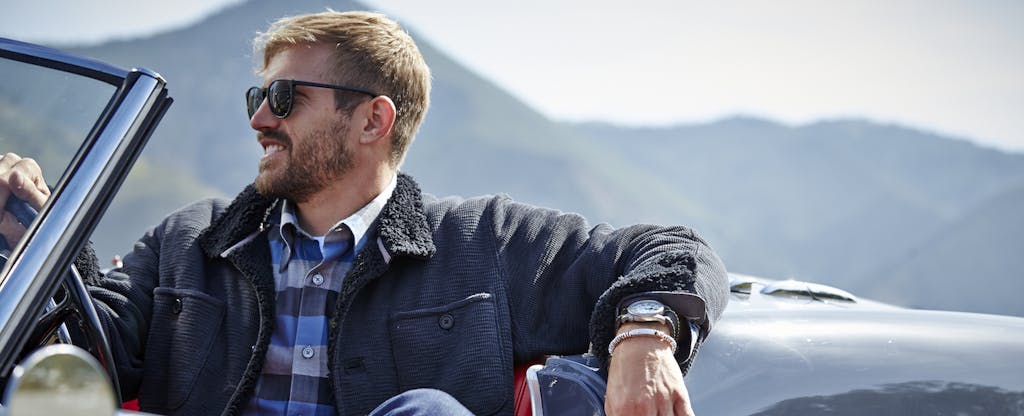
pixel 341 199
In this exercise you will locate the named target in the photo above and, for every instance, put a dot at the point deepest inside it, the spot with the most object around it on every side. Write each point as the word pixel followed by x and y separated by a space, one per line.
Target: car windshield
pixel 48 114
pixel 84 122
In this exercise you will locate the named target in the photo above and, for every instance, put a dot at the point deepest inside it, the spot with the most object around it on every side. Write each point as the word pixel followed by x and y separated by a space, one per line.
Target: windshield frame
pixel 97 170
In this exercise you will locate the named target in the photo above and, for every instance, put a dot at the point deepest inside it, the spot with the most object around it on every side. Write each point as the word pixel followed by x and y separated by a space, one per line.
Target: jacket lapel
pixel 237 236
pixel 402 231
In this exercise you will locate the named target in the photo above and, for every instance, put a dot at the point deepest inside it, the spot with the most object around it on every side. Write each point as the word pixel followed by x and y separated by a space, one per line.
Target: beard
pixel 320 158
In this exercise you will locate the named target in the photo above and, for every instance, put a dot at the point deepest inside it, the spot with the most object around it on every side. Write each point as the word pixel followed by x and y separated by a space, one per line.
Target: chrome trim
pixel 815 291
pixel 744 285
pixel 536 400
pixel 53 58
pixel 741 283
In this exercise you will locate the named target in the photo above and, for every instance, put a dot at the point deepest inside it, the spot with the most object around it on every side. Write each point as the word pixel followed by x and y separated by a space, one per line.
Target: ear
pixel 380 113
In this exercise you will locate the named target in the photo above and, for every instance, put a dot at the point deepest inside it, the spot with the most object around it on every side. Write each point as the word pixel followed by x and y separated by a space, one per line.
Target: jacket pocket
pixel 184 325
pixel 455 348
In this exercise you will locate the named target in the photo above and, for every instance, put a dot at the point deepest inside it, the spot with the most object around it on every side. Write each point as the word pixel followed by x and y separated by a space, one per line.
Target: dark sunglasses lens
pixel 279 96
pixel 253 99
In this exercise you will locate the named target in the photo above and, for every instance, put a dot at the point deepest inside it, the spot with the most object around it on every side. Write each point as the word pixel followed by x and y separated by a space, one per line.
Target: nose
pixel 263 119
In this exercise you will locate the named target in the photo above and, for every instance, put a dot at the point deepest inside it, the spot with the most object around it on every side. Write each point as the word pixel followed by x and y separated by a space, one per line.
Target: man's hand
pixel 644 378
pixel 23 178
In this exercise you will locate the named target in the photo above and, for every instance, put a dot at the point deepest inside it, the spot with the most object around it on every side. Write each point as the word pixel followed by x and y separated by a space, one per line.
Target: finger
pixel 7 162
pixel 682 406
pixel 31 166
pixel 26 181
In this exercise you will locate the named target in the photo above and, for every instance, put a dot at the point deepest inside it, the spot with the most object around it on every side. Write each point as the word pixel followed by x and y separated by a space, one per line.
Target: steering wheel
pixel 23 212
pixel 71 301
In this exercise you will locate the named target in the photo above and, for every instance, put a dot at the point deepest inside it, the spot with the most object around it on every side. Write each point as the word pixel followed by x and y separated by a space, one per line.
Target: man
pixel 332 285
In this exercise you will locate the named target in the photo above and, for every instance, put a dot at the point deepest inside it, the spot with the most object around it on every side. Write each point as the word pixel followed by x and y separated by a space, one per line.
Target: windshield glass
pixel 47 114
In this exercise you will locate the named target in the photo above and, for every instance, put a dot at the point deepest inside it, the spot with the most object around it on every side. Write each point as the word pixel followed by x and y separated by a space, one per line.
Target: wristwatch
pixel 648 310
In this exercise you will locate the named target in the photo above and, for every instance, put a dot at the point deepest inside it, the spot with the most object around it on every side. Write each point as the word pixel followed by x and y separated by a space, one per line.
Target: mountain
pixel 840 202
pixel 827 201
pixel 977 258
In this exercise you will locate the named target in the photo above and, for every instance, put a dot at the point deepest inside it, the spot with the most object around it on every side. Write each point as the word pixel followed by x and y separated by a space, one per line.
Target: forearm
pixel 566 278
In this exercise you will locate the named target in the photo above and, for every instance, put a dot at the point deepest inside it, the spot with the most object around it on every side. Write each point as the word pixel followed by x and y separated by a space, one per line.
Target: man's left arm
pixel 657 333
pixel 557 260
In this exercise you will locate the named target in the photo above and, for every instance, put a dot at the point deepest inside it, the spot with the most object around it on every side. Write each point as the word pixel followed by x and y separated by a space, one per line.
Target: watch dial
pixel 646 308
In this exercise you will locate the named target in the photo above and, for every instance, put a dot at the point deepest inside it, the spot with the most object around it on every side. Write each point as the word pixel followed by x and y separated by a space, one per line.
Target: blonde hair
pixel 371 52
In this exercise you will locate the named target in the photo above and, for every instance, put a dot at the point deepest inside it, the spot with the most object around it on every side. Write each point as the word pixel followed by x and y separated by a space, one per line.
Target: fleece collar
pixel 402 226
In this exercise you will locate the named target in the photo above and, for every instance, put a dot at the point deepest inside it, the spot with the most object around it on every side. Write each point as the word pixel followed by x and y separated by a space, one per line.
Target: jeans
pixel 421 402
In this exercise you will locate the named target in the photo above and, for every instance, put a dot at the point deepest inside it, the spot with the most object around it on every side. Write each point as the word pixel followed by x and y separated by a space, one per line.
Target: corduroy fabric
pixel 452 294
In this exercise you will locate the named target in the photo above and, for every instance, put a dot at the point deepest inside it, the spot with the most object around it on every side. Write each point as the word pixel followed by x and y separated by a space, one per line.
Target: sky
pixel 951 67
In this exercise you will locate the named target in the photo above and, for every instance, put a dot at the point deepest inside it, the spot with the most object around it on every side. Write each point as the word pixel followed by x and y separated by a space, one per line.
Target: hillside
pixel 978 258
pixel 825 202
pixel 836 202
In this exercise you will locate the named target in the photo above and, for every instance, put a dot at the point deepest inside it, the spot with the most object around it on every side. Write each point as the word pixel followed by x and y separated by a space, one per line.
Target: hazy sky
pixel 953 67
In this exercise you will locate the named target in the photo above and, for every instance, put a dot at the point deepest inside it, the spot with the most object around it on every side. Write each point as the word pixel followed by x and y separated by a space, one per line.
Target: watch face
pixel 647 307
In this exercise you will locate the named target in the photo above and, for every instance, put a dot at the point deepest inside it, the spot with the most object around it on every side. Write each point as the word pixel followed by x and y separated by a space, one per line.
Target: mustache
pixel 275 135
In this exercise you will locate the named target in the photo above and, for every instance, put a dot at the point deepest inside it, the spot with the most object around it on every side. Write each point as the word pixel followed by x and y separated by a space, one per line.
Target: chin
pixel 265 185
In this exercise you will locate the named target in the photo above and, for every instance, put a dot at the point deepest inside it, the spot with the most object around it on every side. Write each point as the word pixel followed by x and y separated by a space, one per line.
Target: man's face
pixel 306 151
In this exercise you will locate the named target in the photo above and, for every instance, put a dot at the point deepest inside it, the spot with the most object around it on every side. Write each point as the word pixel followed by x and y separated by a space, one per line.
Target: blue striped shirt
pixel 308 273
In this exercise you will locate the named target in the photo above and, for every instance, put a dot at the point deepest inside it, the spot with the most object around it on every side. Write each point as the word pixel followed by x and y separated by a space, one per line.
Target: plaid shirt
pixel 308 272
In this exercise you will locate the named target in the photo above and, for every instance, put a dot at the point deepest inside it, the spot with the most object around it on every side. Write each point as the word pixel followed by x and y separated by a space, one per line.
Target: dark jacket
pixel 451 295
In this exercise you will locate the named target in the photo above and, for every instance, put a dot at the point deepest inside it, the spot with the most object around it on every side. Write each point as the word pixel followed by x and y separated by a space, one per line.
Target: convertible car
pixel 782 347
pixel 797 348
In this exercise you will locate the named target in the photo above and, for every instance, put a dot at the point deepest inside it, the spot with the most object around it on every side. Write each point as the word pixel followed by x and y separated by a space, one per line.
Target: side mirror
pixel 59 379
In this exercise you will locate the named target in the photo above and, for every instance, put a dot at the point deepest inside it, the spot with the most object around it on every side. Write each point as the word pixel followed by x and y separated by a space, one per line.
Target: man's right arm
pixel 123 304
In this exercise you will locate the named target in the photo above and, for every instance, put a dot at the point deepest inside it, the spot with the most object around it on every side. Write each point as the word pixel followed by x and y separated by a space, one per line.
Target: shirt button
pixel 318 279
pixel 446 321
pixel 307 352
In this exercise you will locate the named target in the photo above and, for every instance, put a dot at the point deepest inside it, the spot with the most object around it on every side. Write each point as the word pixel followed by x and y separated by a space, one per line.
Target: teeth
pixel 272 148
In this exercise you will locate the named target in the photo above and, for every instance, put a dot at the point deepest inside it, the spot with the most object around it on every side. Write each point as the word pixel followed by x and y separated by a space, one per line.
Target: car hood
pixel 788 347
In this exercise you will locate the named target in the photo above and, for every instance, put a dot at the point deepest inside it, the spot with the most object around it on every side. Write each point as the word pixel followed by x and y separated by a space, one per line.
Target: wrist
pixel 649 325
pixel 660 337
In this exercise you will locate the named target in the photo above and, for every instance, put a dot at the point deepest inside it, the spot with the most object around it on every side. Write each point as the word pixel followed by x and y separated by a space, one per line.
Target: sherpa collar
pixel 402 226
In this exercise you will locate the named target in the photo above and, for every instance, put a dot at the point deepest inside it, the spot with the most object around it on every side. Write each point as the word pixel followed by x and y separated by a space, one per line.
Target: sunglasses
pixel 280 95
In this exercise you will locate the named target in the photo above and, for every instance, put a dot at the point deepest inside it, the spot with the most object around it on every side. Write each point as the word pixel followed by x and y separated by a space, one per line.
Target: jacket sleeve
pixel 566 278
pixel 124 301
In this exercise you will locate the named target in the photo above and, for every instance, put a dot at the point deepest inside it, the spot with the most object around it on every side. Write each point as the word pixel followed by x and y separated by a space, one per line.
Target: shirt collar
pixel 358 223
